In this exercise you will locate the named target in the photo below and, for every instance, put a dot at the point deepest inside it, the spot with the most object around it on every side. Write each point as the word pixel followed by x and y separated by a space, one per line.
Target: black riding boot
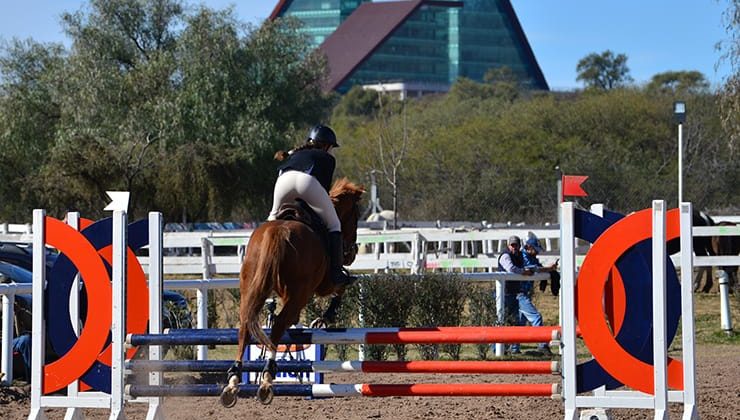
pixel 336 256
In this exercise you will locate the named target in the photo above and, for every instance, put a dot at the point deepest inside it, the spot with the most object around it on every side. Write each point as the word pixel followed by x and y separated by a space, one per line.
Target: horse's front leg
pixel 330 314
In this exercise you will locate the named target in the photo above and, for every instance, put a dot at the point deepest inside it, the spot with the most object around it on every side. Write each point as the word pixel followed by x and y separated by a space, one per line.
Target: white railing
pixel 10 228
pixel 412 251
pixel 8 292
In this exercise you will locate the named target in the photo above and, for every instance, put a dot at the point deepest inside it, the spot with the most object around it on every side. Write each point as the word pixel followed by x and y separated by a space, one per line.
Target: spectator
pixel 517 301
pixel 22 346
pixel 531 249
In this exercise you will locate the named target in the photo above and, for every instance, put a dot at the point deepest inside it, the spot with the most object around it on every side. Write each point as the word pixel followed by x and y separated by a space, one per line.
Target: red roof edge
pixel 415 4
pixel 279 7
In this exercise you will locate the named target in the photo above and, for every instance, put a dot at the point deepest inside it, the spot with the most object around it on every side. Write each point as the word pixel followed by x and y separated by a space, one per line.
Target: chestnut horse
pixel 289 258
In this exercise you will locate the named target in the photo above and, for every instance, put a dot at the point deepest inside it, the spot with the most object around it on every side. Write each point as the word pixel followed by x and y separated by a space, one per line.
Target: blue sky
pixel 656 35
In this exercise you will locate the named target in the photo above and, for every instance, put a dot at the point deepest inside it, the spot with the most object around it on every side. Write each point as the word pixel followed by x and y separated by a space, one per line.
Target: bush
pixel 439 300
pixel 481 310
pixel 386 301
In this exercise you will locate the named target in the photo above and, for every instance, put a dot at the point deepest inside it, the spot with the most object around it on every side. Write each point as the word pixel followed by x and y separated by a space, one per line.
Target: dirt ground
pixel 718 399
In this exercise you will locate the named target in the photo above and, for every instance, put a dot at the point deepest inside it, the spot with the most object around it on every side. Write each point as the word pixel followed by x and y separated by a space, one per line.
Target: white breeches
pixel 295 184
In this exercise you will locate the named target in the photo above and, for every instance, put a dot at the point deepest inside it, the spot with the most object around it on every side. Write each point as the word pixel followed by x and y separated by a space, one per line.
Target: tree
pixel 678 82
pixel 504 82
pixel 392 141
pixel 29 117
pixel 182 106
pixel 603 71
pixel 730 90
pixel 357 103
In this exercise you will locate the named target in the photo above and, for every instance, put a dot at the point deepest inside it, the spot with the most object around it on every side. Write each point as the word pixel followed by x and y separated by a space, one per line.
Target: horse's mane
pixel 344 186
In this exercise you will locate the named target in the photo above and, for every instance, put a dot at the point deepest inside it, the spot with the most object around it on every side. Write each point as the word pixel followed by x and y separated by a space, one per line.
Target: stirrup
pixel 344 279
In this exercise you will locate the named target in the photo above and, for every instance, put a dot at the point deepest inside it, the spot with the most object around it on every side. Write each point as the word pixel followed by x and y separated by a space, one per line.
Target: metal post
pixel 679 115
pixel 724 301
pixel 680 163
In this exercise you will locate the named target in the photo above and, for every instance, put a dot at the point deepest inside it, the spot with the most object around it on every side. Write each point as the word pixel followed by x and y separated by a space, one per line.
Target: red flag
pixel 572 185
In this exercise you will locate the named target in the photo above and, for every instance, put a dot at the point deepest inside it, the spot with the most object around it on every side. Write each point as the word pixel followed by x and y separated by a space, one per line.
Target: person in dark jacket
pixel 517 294
pixel 307 173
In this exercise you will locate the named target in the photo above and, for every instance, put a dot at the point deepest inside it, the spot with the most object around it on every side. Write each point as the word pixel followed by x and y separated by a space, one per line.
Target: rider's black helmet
pixel 323 134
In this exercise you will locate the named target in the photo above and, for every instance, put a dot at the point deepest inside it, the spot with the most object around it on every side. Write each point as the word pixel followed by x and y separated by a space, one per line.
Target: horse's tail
pixel 266 273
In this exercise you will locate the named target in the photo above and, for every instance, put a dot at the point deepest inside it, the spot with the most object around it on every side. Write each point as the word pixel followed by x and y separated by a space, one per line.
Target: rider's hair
pixel 282 154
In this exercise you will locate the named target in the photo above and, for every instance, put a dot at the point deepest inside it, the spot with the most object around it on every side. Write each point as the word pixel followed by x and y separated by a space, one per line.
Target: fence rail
pixel 210 253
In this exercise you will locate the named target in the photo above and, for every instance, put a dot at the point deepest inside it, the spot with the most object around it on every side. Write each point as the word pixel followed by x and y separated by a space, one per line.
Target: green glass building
pixel 430 43
pixel 320 17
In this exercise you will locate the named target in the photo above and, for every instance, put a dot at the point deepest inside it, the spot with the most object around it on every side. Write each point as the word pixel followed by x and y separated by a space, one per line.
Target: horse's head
pixel 346 197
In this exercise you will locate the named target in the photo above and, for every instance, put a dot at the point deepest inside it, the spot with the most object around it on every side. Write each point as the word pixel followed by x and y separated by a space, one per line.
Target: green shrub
pixel 481 310
pixel 386 301
pixel 439 300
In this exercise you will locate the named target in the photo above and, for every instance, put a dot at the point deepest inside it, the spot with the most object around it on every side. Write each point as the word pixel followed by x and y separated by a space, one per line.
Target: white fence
pixel 211 253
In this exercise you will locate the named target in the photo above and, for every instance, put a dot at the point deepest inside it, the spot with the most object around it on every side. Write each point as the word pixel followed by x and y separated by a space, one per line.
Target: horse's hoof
pixel 265 394
pixel 228 396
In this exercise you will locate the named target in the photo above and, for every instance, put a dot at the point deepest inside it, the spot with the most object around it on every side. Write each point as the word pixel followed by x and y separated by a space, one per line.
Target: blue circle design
pixel 59 285
pixel 635 268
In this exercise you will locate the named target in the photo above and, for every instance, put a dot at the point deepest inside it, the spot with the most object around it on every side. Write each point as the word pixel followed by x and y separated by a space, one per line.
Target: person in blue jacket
pixel 306 173
pixel 518 294
pixel 531 249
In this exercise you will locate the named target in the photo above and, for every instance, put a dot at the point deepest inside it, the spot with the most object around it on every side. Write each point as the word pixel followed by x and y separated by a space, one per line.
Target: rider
pixel 307 173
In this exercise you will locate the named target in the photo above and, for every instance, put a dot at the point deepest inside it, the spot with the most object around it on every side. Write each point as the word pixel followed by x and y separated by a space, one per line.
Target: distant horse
pixel 702 247
pixel 727 245
pixel 289 258
pixel 381 216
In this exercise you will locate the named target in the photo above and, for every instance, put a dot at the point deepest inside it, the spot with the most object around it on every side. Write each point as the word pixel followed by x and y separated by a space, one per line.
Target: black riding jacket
pixel 314 162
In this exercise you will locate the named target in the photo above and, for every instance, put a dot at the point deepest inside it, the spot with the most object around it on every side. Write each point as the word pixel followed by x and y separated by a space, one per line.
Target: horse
pixel 288 257
pixel 727 245
pixel 702 247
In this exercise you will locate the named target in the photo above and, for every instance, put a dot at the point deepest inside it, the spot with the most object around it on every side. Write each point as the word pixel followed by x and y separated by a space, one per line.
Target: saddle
pixel 300 211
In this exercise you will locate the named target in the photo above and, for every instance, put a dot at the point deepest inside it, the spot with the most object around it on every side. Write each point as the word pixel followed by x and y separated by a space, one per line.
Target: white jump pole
pixel 660 352
pixel 156 285
pixel 687 315
pixel 567 303
pixel 118 327
pixel 38 345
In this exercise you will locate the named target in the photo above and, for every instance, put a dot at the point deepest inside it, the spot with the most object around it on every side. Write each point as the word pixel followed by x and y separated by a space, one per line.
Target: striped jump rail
pixel 327 366
pixel 437 335
pixel 354 390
